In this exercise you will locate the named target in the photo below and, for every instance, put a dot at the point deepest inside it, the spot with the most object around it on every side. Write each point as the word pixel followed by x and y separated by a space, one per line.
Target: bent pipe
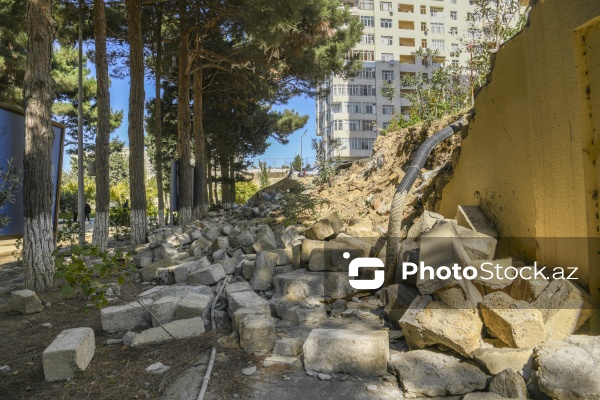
pixel 397 209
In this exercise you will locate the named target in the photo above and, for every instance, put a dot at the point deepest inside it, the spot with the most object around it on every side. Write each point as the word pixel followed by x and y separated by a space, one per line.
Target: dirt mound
pixel 366 188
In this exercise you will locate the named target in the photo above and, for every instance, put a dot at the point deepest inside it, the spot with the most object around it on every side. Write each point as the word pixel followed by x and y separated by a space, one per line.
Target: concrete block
pixel 26 301
pixel 264 270
pixel 150 272
pixel 265 240
pixel 329 257
pixel 322 230
pixel 288 346
pixel 514 322
pixel 207 276
pixel 298 312
pixel 168 250
pixel 336 285
pixel 237 287
pixel 69 353
pixel 180 329
pixel 229 265
pixel 194 305
pixel 247 300
pixel 426 221
pixel 299 285
pixel 396 300
pixel 126 317
pixel 248 269
pixel 220 243
pixel 495 360
pixel 362 353
pixel 163 310
pixel 182 271
pixel 242 313
pixel 473 218
pixel 257 334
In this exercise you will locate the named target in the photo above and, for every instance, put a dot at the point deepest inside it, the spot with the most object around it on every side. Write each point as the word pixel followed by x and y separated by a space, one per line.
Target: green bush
pixel 244 190
pixel 119 220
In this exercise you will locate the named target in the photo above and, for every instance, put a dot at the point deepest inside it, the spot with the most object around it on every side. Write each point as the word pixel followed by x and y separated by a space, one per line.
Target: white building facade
pixel 355 110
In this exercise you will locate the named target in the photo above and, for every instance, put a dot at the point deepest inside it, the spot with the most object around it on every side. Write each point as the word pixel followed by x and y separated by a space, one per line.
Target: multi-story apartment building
pixel 355 110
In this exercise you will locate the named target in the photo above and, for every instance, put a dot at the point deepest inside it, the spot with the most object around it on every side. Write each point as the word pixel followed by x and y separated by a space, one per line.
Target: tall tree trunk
pixel 38 94
pixel 199 150
pixel 231 181
pixel 183 124
pixel 100 237
pixel 158 121
pixel 209 180
pixel 224 181
pixel 137 185
pixel 215 181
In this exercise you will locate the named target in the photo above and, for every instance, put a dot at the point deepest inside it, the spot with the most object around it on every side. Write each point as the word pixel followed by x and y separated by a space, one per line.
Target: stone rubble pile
pixel 288 297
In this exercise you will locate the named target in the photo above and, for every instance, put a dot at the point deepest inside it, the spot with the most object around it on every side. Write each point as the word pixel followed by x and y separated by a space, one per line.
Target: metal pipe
pixel 412 173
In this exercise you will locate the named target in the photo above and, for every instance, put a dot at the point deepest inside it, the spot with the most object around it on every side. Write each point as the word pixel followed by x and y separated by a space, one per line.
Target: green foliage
pixel 69 194
pixel 74 272
pixel 297 163
pixel 297 205
pixel 263 174
pixel 119 193
pixel 244 190
pixel 68 234
pixel 9 179
pixel 17 253
pixel 327 158
pixel 119 221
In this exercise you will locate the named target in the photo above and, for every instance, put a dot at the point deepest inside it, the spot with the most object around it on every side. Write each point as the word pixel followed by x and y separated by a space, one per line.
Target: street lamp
pixel 301 159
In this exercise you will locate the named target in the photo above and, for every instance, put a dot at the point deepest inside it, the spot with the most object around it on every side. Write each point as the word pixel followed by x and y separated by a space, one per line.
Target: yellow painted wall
pixel 531 159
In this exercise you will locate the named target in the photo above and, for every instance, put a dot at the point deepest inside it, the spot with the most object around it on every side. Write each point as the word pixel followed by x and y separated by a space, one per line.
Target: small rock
pixel 372 388
pixel 249 370
pixel 324 377
pixel 47 325
pixel 310 372
pixel 157 368
pixel 389 378
pixel 114 341
pixel 4 369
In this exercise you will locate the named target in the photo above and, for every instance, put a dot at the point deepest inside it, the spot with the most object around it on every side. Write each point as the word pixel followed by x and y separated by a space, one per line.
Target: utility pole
pixel 301 159
pixel 80 191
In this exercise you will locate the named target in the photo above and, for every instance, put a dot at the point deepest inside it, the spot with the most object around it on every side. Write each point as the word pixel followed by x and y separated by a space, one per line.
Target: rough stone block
pixel 242 313
pixel 247 300
pixel 257 334
pixel 338 350
pixel 180 329
pixel 207 276
pixel 424 373
pixel 248 269
pixel 288 346
pixel 514 322
pixel 264 270
pixel 330 257
pixel 221 242
pixel 168 250
pixel 163 310
pixel 299 285
pixel 69 353
pixel 322 230
pixel 473 218
pixel 265 240
pixel 237 287
pixel 182 271
pixel 337 286
pixel 430 322
pixel 194 305
pixel 298 312
pixel 509 384
pixel 496 283
pixel 396 300
pixel 126 317
pixel 150 272
pixel 307 248
pixel 426 221
pixel 26 301
pixel 496 360
pixel 229 265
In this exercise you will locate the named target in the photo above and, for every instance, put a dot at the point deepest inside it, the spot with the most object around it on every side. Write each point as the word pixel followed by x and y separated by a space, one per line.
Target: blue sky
pixel 275 155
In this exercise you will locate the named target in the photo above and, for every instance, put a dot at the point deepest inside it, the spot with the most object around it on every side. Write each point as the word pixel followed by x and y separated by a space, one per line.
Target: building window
pixel 453 15
pixel 437 27
pixel 387 40
pixel 436 13
pixel 386 125
pixel 387 57
pixel 386 23
pixel 367 21
pixel 424 10
pixel 367 38
pixel 437 44
pixel 454 31
pixel 365 4
pixel 423 26
pixel 455 63
pixel 454 47
pixel 361 143
pixel 362 55
pixel 354 90
pixel 385 6
pixel 387 75
pixel 366 73
pixel 352 125
pixel 388 110
pixel 424 43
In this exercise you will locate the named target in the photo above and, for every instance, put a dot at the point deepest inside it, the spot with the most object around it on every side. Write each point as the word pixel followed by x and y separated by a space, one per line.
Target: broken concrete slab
pixel 362 353
pixel 168 250
pixel 298 312
pixel 426 221
pixel 569 369
pixel 514 322
pixel 526 286
pixel 265 239
pixel 237 287
pixel 246 300
pixel 565 307
pixel 26 301
pixel 264 270
pixel 257 334
pixel 429 322
pixel 288 346
pixel 207 276
pixel 488 280
pixel 496 360
pixel 163 310
pixel 194 305
pixel 473 218
pixel 337 286
pixel 423 373
pixel 229 265
pixel 69 353
pixel 509 384
pixel 221 242
pixel 299 285
pixel 150 272
pixel 182 271
pixel 242 313
pixel 126 317
pixel 321 230
pixel 180 329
